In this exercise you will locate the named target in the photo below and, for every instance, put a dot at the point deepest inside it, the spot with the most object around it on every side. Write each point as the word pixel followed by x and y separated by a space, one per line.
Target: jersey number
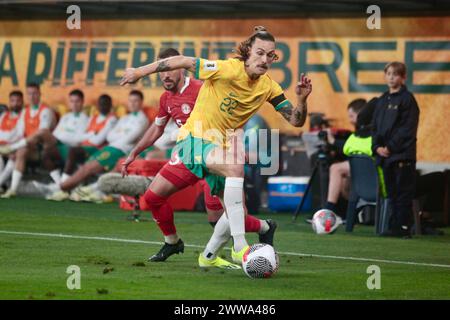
pixel 229 104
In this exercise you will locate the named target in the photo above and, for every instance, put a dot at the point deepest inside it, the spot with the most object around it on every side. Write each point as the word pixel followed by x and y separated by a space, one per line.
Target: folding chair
pixel 364 187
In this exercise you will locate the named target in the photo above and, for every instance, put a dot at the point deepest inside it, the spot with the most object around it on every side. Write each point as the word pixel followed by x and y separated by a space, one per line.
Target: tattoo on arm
pixel 162 66
pixel 286 111
pixel 295 116
pixel 193 65
pixel 300 114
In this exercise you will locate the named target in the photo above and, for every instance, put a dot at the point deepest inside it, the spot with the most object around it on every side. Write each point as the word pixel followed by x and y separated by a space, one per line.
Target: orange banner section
pixel 342 56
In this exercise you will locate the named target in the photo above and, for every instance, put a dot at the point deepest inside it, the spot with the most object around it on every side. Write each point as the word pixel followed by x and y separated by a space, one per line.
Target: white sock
pixel 56 176
pixel 16 178
pixel 219 238
pixel 6 173
pixel 64 177
pixel 19 144
pixel 171 238
pixel 234 206
pixel 264 227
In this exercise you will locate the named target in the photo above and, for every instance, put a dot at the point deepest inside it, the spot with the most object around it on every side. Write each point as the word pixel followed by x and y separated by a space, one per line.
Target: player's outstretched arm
pixel 297 115
pixel 172 63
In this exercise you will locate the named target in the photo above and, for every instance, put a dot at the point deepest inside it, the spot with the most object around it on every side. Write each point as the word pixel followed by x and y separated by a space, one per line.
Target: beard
pixel 171 85
pixel 168 86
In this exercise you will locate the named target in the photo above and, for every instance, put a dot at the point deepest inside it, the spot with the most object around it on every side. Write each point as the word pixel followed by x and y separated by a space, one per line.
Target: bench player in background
pixel 121 139
pixel 68 133
pixel 94 138
pixel 36 122
pixel 9 132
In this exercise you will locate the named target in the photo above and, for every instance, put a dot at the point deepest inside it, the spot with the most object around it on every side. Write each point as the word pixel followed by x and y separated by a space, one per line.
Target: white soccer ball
pixel 325 221
pixel 260 261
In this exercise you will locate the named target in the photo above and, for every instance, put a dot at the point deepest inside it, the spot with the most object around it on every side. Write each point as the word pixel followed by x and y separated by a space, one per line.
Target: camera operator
pixel 322 153
pixel 339 182
pixel 331 141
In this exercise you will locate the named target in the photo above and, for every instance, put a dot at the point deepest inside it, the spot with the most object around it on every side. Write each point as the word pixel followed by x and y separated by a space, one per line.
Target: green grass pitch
pixel 33 261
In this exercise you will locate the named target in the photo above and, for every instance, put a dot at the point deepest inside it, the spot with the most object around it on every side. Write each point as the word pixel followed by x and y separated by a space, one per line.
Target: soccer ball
pixel 325 222
pixel 260 261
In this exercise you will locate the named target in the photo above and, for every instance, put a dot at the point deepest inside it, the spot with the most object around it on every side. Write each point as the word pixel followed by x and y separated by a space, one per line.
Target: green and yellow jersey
pixel 228 98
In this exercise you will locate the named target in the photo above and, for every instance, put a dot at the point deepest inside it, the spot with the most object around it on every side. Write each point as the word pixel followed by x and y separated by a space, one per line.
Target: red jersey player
pixel 177 103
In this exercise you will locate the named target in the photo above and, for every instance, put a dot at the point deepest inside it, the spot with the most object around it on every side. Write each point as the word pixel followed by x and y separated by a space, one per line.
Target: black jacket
pixel 394 126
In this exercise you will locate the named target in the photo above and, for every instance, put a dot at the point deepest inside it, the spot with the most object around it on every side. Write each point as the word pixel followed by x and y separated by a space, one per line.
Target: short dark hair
pixel 33 85
pixel 364 119
pixel 168 52
pixel 244 47
pixel 357 105
pixel 399 68
pixel 16 93
pixel 105 101
pixel 78 93
pixel 137 93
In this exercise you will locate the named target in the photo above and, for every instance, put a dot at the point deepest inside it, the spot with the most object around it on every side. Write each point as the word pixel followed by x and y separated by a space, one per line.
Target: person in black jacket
pixel 394 138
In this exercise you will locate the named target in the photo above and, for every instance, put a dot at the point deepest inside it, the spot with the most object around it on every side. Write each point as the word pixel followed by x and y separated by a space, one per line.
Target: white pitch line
pixel 68 236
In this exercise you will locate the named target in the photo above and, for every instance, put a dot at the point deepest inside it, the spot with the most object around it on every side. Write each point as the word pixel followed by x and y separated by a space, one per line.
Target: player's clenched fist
pixel 131 76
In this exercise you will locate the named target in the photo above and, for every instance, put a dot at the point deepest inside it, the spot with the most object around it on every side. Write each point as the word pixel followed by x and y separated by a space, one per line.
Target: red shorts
pixel 178 174
pixel 181 177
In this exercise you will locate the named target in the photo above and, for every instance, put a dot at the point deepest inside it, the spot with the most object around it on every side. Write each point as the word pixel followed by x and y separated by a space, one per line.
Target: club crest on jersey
pixel 210 65
pixel 186 108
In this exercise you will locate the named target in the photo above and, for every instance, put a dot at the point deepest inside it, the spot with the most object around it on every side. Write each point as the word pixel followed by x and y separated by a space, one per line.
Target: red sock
pixel 162 212
pixel 252 224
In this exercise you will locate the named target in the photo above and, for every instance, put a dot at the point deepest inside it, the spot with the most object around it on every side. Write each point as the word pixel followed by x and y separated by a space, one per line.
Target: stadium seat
pixel 431 201
pixel 120 110
pixel 61 109
pixel 364 186
pixel 89 109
